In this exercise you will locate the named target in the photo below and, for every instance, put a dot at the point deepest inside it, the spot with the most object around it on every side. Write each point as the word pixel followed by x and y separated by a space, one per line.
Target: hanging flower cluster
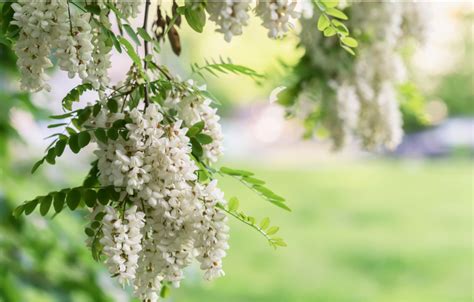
pixel 276 16
pixel 359 98
pixel 52 27
pixel 165 217
pixel 230 16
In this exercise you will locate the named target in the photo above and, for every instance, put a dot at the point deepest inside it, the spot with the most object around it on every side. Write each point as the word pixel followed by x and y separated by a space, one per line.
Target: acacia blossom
pixel 154 168
pixel 230 16
pixel 362 97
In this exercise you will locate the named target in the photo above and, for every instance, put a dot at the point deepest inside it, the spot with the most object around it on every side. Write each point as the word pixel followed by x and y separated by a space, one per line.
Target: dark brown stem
pixel 145 45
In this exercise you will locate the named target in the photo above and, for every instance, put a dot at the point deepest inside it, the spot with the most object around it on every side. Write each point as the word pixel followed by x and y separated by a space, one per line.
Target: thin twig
pixel 69 13
pixel 145 45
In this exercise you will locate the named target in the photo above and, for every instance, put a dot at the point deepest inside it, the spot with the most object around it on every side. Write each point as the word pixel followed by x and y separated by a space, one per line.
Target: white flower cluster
pixel 129 8
pixel 37 21
pixel 78 42
pixel 178 216
pixel 365 100
pixel 74 45
pixel 277 16
pixel 229 15
pixel 122 241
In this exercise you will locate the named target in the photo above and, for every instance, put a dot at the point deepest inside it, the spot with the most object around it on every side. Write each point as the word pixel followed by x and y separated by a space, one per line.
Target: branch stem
pixel 145 46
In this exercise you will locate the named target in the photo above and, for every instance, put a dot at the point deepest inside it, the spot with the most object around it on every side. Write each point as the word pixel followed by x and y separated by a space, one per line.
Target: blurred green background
pixel 363 227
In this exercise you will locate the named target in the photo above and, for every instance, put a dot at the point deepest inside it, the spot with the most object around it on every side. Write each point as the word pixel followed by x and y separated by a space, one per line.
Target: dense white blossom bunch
pixel 364 103
pixel 38 22
pixel 178 216
pixel 74 45
pixel 78 43
pixel 122 241
pixel 230 16
pixel 277 16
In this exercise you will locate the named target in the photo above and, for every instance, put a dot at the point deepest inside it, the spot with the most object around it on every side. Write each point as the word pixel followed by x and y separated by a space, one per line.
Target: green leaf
pixel 95 224
pixel 280 204
pixel 329 32
pixel 73 198
pixel 61 116
pixel 103 196
pixel 348 49
pixel 73 96
pixel 89 232
pixel 235 172
pixel 323 22
pixel 233 204
pixel 83 139
pixel 196 17
pixel 101 135
pixel 336 13
pixel 83 115
pixel 195 129
pixel 59 199
pixel 60 146
pixel 45 204
pixel 112 105
pixel 70 131
pixel 143 33
pixel 30 206
pixel 18 211
pixel 330 3
pixel 50 156
pixel 36 165
pixel 253 180
pixel 93 8
pixel 90 198
pixel 131 52
pixel 204 139
pixel 112 193
pixel 265 223
pixel 132 34
pixel 351 42
pixel 112 133
pixel 340 27
pixel 74 143
pixel 96 109
pixel 165 291
pixel 278 242
pixel 272 230
pixel 251 219
pixel 115 41
pixel 56 125
pixel 197 150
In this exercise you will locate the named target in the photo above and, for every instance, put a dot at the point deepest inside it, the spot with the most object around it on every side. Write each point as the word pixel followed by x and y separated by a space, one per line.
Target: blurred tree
pixel 457 88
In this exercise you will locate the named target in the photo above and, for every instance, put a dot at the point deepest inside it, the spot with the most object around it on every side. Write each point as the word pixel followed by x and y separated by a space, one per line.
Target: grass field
pixel 372 231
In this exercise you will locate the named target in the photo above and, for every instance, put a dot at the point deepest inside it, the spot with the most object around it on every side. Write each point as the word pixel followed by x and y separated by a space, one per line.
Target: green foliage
pixel 225 67
pixel 71 197
pixel 329 24
pixel 263 227
pixel 195 15
pixel 256 185
pixel 132 34
pixel 412 106
pixel 8 31
pixel 74 94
